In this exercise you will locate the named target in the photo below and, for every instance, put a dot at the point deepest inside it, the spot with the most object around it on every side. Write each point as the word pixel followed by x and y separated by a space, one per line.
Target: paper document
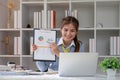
pixel 42 39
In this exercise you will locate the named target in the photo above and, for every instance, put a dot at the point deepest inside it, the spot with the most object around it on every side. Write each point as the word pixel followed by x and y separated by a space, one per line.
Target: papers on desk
pixel 35 73
pixel 12 73
pixel 4 68
pixel 20 73
pixel 27 73
pixel 42 38
pixel 51 72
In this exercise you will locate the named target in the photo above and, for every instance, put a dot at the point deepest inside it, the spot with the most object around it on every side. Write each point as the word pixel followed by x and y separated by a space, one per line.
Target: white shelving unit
pixel 91 13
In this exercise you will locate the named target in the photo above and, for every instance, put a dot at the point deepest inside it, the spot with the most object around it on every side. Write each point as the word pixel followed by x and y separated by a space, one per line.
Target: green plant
pixel 111 63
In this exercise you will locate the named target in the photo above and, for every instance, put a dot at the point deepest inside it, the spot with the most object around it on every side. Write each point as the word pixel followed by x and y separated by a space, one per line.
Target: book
pixel 53 19
pixel 91 45
pixel 17 45
pixel 31 42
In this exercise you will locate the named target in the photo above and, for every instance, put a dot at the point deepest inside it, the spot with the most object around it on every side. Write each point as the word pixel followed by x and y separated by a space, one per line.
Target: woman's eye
pixel 65 30
pixel 72 30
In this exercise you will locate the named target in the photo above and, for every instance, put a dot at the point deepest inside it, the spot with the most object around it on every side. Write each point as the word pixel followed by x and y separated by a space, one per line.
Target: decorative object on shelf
pixel 110 64
pixel 99 25
pixel 28 26
pixel 11 7
pixel 12 65
pixel 6 44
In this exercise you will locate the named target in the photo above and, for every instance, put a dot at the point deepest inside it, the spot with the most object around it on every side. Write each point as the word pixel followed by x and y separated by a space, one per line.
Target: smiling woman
pixel 69 29
pixel 67 43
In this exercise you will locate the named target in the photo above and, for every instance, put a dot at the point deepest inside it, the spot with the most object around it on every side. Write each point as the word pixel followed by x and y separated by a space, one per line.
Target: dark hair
pixel 72 20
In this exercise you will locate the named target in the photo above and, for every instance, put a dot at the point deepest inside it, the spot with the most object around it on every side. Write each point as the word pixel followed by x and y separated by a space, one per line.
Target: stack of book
pixel 39 19
pixel 115 45
pixel 17 19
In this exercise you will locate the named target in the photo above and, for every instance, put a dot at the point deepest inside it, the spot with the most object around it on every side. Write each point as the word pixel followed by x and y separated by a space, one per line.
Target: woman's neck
pixel 66 43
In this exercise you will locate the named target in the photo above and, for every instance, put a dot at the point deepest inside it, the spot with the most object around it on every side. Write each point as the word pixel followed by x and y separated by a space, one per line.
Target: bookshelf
pixel 99 19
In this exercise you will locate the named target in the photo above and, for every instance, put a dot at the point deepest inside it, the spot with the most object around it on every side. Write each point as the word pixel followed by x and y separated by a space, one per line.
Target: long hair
pixel 72 20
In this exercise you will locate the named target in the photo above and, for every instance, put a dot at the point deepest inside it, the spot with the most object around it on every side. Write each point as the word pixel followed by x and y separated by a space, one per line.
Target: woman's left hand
pixel 54 49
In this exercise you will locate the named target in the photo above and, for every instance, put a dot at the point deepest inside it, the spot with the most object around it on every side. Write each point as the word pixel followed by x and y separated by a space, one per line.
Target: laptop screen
pixel 77 64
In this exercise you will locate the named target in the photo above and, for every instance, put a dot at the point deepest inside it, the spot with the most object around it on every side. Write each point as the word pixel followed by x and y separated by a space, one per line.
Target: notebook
pixel 77 64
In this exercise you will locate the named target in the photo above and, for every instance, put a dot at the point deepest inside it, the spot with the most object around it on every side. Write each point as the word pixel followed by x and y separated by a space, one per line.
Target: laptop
pixel 78 64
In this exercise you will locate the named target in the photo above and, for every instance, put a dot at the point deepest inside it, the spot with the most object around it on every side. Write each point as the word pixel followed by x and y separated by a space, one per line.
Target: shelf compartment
pixel 59 8
pixel 4 60
pixel 84 36
pixel 103 40
pixel 28 12
pixel 85 13
pixel 26 50
pixel 107 14
pixel 7 42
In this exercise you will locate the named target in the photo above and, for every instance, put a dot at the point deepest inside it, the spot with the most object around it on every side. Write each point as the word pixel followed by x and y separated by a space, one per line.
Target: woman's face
pixel 68 32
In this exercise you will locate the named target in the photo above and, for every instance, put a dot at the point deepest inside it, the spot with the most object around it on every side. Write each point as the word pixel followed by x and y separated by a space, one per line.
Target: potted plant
pixel 110 64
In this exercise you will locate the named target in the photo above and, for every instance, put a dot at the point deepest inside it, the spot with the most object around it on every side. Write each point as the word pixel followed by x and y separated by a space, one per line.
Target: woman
pixel 67 43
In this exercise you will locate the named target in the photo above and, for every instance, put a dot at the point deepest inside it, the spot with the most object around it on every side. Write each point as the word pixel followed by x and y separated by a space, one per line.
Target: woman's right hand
pixel 54 49
pixel 34 47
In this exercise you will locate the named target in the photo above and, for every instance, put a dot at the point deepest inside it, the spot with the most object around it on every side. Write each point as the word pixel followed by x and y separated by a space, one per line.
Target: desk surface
pixel 54 77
